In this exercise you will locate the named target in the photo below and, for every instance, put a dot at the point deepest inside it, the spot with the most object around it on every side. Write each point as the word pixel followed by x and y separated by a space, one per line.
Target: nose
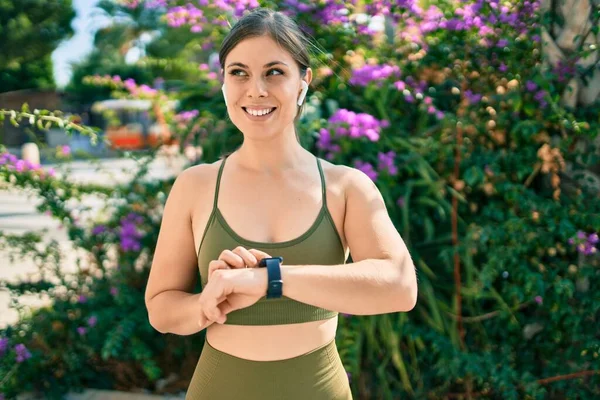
pixel 257 88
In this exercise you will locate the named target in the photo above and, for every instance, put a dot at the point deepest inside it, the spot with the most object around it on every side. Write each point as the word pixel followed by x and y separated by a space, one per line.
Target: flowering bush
pixel 445 107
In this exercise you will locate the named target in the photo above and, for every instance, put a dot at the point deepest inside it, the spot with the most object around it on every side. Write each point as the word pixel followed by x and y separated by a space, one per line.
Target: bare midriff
pixel 271 342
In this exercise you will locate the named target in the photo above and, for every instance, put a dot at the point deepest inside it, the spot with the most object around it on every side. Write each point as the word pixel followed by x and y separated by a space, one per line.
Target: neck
pixel 272 155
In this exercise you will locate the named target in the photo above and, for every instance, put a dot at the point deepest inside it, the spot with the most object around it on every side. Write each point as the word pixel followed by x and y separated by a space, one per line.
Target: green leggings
pixel 316 375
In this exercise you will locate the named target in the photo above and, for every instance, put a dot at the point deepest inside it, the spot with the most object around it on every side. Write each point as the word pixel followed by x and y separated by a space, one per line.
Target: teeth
pixel 257 113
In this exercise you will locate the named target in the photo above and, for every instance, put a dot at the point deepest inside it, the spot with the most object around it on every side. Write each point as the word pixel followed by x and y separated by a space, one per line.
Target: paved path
pixel 18 215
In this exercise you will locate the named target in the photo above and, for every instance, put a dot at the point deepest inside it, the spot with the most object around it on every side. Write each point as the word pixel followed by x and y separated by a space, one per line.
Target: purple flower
pixel 129 233
pixel 531 86
pixel 386 162
pixel 400 85
pixel 400 202
pixel 502 43
pixel 356 125
pixel 22 353
pixel 82 299
pixel 114 291
pixel 593 238
pixel 367 168
pixel 3 346
pixel 472 97
pixel 538 299
pixel 20 166
pixel 81 330
pixel 145 89
pixel 92 321
pixel 185 116
pixel 98 229
pixel 373 73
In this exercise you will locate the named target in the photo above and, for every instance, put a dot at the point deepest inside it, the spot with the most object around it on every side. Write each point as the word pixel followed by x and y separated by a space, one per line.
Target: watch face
pixel 263 262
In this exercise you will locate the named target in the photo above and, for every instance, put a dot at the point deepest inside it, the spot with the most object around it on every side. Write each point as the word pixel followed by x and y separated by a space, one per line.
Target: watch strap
pixel 275 284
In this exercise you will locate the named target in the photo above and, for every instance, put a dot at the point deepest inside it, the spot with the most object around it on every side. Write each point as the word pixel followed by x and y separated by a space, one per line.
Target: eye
pixel 235 71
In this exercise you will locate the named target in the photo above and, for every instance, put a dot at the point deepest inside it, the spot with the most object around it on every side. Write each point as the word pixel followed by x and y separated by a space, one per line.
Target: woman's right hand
pixel 237 258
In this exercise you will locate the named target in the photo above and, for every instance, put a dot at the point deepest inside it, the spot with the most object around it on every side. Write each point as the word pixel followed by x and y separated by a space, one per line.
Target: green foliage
pixel 30 30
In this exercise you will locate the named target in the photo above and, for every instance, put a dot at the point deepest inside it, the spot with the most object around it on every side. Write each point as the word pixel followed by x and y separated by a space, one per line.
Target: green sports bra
pixel 319 245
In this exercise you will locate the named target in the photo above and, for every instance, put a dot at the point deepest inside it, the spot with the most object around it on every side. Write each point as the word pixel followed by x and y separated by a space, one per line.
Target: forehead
pixel 257 51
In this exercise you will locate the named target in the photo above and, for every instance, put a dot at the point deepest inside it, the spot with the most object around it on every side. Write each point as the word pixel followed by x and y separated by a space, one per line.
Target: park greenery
pixel 448 106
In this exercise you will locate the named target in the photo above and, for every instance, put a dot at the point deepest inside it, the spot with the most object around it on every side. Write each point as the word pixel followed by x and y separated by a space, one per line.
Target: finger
pixel 234 260
pixel 215 293
pixel 249 259
pixel 215 265
pixel 202 319
pixel 226 308
pixel 211 310
pixel 214 314
pixel 259 254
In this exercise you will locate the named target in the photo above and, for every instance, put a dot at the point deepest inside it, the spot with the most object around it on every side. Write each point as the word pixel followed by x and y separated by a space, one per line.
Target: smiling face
pixel 261 75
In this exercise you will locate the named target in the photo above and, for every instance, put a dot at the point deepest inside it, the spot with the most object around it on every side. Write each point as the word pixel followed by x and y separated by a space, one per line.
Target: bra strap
pixel 323 189
pixel 219 182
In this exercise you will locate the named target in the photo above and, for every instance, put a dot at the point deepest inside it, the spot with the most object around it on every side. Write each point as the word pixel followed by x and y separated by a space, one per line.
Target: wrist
pixel 262 277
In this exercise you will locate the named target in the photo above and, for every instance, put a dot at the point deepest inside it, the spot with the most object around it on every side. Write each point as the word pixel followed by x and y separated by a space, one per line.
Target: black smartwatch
pixel 275 285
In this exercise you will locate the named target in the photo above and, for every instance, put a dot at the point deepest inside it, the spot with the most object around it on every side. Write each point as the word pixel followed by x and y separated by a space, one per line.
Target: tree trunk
pixel 560 46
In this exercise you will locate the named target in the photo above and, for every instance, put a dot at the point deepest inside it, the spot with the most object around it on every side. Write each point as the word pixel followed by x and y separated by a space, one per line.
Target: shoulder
pixel 195 183
pixel 200 172
pixel 352 181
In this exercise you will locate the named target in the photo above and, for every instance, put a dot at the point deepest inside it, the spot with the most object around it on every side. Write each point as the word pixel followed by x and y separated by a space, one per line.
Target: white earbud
pixel 303 93
pixel 224 97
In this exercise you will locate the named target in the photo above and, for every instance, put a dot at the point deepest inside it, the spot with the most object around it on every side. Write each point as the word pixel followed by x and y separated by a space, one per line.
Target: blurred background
pixel 478 121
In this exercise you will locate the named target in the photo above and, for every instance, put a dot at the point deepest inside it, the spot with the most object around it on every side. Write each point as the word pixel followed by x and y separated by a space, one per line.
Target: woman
pixel 272 198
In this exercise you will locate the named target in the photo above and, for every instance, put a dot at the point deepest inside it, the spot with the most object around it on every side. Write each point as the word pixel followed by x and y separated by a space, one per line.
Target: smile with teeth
pixel 258 113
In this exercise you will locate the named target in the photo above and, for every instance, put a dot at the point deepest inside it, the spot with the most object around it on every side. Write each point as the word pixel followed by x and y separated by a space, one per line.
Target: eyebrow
pixel 267 65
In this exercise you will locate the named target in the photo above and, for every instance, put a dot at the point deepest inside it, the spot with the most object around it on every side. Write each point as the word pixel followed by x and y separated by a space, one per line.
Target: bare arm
pixel 382 278
pixel 171 305
pixel 177 312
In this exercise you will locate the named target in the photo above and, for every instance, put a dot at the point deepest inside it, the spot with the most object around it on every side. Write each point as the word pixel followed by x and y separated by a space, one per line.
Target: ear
pixel 309 76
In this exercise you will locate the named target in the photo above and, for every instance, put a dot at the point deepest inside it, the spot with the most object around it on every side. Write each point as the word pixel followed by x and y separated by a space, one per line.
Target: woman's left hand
pixel 236 287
